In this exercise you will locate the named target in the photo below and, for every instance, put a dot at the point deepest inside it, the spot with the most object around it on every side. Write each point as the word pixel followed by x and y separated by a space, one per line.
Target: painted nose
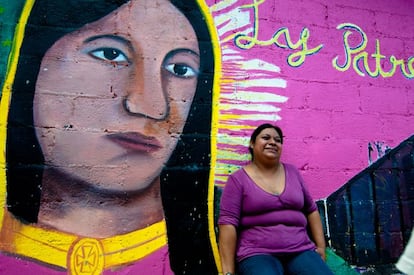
pixel 146 95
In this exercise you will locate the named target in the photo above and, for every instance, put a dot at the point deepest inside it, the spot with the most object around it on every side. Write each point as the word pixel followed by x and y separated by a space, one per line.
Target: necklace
pixel 80 255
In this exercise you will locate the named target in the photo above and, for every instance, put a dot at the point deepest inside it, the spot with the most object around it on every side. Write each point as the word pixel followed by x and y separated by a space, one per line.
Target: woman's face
pixel 268 145
pixel 112 98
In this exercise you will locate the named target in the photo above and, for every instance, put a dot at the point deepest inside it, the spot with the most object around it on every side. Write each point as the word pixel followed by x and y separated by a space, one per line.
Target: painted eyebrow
pixel 180 50
pixel 112 37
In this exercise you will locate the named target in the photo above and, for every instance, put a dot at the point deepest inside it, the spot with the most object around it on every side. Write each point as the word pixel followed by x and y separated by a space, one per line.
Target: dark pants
pixel 307 262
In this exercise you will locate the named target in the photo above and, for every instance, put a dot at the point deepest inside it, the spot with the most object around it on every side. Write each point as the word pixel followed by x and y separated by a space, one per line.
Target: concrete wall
pixel 337 76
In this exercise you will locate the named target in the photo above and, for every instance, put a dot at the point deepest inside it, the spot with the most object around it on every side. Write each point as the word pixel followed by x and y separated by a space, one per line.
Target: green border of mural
pixel 9 14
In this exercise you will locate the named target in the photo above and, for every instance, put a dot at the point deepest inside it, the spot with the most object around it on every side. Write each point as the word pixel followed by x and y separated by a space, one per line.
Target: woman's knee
pixel 260 264
pixel 308 262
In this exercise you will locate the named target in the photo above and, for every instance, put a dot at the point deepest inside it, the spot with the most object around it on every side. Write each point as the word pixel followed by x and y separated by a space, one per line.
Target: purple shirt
pixel 267 223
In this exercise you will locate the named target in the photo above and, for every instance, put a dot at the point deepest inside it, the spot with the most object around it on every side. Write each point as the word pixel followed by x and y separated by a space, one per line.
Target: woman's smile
pixel 271 148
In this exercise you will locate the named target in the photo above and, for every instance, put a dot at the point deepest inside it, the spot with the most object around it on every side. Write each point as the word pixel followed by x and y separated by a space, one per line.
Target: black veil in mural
pixel 42 186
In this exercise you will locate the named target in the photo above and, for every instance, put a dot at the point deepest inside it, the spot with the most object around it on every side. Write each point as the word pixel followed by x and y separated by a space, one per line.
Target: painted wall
pixel 330 94
pixel 335 75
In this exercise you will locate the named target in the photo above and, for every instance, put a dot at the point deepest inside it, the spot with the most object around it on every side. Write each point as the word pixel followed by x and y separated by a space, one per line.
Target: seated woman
pixel 265 211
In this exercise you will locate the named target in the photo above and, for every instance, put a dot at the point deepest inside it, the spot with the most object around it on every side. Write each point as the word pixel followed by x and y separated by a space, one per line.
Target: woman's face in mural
pixel 112 98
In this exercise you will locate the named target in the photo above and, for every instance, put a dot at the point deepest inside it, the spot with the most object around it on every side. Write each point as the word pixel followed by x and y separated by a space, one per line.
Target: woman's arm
pixel 315 225
pixel 227 247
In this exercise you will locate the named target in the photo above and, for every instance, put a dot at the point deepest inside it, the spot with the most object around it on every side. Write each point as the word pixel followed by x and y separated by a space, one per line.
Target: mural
pixel 328 79
pixel 100 129
pixel 369 219
pixel 119 132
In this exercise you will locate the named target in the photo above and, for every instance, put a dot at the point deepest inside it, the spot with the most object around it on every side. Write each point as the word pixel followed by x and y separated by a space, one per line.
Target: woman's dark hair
pixel 259 129
pixel 184 181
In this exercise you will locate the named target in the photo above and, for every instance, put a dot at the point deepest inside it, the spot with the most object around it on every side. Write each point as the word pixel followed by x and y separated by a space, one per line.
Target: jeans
pixel 306 262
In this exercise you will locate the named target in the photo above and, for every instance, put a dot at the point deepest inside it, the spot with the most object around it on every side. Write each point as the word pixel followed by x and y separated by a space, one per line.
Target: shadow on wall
pixel 368 221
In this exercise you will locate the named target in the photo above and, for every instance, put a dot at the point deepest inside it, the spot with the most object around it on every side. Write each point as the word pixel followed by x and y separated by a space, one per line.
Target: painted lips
pixel 134 141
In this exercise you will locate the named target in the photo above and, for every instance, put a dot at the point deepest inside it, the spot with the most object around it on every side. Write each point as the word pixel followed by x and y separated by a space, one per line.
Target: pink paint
pixel 331 115
pixel 156 263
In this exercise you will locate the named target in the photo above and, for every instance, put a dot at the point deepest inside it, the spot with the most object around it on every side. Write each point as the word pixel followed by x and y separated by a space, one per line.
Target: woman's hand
pixel 321 252
pixel 315 225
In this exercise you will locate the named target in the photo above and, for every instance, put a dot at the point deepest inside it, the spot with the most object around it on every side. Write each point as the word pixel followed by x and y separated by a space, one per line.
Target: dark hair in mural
pixel 184 180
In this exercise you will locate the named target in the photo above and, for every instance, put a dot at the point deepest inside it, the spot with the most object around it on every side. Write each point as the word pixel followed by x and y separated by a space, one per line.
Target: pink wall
pixel 294 72
pixel 331 114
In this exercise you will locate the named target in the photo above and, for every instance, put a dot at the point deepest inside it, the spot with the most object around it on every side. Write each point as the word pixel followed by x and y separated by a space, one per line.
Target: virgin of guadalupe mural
pixel 106 156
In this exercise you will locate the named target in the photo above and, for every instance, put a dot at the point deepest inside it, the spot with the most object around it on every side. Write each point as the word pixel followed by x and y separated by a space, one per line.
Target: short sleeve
pixel 230 203
pixel 309 203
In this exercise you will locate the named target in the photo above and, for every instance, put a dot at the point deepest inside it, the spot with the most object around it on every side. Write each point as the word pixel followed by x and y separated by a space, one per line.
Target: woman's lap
pixel 307 262
pixel 260 264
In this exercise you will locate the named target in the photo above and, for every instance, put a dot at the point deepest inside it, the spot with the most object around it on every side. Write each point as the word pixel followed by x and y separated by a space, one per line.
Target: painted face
pixel 112 98
pixel 268 144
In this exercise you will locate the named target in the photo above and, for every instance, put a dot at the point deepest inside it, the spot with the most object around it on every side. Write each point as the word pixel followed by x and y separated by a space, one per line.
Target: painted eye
pixel 111 55
pixel 181 70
